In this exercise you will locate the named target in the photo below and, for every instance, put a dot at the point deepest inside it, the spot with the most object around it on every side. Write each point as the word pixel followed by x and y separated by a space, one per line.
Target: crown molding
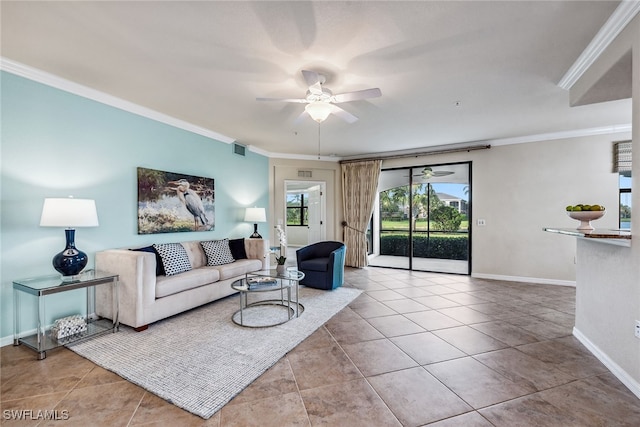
pixel 470 145
pixel 624 13
pixel 52 80
pixel 576 133
pixel 304 157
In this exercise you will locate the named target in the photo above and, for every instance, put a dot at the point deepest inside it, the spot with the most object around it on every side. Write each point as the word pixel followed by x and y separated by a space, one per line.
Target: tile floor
pixel 414 349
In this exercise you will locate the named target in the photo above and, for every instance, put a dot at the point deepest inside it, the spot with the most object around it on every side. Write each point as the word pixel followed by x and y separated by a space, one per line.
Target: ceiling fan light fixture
pixel 427 173
pixel 319 111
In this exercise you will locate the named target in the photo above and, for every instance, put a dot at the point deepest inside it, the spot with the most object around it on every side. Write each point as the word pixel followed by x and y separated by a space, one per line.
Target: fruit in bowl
pixel 582 208
pixel 585 214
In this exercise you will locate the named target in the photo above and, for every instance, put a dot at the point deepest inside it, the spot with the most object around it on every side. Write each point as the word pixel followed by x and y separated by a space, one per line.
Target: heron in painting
pixel 191 201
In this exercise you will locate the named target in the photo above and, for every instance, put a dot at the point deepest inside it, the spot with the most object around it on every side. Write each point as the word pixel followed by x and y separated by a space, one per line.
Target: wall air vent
pixel 304 174
pixel 239 149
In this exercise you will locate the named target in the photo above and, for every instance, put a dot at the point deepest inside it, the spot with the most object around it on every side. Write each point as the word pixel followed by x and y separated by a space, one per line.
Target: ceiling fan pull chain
pixel 318 141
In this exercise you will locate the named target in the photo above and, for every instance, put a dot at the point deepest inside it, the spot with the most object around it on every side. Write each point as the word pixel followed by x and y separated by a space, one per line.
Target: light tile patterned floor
pixel 414 349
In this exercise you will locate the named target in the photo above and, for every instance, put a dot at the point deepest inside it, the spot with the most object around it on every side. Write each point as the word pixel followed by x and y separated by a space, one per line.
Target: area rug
pixel 199 360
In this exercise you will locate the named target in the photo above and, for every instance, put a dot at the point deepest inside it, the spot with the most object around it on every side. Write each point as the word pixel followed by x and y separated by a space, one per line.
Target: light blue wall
pixel 56 144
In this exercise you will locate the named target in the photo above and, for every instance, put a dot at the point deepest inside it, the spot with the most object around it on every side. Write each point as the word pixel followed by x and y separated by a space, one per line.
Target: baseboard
pixel 536 280
pixel 8 340
pixel 616 370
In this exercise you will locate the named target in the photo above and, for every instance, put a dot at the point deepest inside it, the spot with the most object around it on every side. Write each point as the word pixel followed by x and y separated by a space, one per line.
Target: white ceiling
pixel 205 63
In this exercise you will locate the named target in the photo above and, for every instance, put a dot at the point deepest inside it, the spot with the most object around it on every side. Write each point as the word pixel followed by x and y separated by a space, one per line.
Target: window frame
pixel 623 191
pixel 303 208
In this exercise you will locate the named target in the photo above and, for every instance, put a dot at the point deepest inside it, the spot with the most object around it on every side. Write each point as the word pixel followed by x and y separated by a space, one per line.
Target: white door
pixel 317 227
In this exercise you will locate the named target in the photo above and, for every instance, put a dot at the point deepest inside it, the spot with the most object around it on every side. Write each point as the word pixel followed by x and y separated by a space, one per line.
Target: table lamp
pixel 69 213
pixel 255 215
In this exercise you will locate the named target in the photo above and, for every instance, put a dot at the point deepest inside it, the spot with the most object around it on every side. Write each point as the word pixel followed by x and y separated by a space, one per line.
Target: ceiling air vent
pixel 239 149
pixel 304 174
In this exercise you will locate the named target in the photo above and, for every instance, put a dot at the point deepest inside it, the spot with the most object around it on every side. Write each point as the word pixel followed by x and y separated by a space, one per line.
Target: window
pixel 625 200
pixel 297 209
pixel 622 165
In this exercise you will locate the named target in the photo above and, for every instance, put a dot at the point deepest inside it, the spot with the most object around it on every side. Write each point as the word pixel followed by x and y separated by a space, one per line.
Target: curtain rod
pixel 419 154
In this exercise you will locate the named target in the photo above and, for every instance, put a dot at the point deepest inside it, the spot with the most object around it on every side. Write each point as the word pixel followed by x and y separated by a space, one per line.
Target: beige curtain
pixel 359 187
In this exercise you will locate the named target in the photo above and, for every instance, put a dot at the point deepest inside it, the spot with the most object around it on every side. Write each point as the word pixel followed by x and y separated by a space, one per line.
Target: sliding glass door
pixel 421 221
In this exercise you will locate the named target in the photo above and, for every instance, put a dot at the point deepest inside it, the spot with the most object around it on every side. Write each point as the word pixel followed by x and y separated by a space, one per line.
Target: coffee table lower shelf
pixel 267 313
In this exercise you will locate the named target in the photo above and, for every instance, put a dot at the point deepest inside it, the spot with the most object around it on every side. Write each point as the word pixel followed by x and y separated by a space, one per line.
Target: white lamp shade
pixel 319 111
pixel 69 213
pixel 255 215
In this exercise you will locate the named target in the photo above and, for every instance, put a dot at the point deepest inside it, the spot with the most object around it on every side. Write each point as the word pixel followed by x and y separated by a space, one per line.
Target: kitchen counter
pixel 612 237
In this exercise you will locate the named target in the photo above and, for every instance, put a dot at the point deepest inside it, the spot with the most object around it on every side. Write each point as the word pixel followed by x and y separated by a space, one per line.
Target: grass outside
pixel 421 225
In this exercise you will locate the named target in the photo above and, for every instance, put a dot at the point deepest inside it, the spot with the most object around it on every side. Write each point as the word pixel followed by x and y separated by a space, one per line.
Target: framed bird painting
pixel 170 202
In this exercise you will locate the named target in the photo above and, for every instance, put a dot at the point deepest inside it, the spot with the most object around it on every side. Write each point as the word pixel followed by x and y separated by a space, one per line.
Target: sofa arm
pixel 136 287
pixel 258 249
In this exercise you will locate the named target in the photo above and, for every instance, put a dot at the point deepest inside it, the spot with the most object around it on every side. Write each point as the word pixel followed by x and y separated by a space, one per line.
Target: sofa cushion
pixel 169 285
pixel 159 267
pixel 240 267
pixel 237 248
pixel 174 258
pixel 315 264
pixel 196 255
pixel 218 252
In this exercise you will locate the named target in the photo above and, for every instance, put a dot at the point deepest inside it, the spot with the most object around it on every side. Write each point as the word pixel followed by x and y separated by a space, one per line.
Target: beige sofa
pixel 145 298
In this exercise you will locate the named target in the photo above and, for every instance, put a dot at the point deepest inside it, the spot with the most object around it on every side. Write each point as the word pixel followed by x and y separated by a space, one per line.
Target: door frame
pixel 301 185
pixel 375 221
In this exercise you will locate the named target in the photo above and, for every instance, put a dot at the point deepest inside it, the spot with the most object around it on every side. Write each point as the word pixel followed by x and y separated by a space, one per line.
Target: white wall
pixel 608 286
pixel 297 235
pixel 519 189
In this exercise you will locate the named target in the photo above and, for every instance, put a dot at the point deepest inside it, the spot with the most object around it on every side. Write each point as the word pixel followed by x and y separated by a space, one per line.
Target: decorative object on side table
pixel 280 267
pixel 255 215
pixel 585 214
pixel 69 213
pixel 70 326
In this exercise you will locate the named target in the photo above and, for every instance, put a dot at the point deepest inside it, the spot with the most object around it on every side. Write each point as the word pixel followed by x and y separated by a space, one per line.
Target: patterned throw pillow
pixel 218 252
pixel 174 258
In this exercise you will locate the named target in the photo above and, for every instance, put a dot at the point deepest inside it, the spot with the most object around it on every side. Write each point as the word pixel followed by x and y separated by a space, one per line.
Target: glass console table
pixel 41 287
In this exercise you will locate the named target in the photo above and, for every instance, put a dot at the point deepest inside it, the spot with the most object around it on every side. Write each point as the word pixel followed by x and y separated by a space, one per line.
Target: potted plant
pixel 280 260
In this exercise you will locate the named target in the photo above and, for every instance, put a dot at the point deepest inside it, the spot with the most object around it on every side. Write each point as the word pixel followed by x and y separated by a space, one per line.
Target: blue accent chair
pixel 323 264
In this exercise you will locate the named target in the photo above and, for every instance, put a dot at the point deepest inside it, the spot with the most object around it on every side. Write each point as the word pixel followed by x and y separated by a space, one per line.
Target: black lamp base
pixel 255 234
pixel 70 261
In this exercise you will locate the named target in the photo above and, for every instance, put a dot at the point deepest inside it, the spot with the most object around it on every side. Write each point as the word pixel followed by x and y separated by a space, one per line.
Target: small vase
pixel 280 269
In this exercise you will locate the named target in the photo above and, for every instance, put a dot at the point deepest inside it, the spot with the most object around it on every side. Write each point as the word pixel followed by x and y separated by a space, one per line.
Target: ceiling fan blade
pixel 296 100
pixel 357 95
pixel 313 81
pixel 344 115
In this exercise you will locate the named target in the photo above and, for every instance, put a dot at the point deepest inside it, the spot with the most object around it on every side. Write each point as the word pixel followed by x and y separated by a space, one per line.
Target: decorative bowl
pixel 585 218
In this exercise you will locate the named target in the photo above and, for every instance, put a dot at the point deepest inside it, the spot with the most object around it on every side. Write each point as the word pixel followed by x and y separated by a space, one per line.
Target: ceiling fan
pixel 321 101
pixel 427 173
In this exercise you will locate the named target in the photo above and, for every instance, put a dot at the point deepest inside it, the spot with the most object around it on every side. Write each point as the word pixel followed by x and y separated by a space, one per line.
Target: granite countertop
pixel 617 237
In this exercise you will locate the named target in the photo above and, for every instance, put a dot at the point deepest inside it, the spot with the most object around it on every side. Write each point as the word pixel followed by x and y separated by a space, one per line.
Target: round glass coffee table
pixel 264 310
